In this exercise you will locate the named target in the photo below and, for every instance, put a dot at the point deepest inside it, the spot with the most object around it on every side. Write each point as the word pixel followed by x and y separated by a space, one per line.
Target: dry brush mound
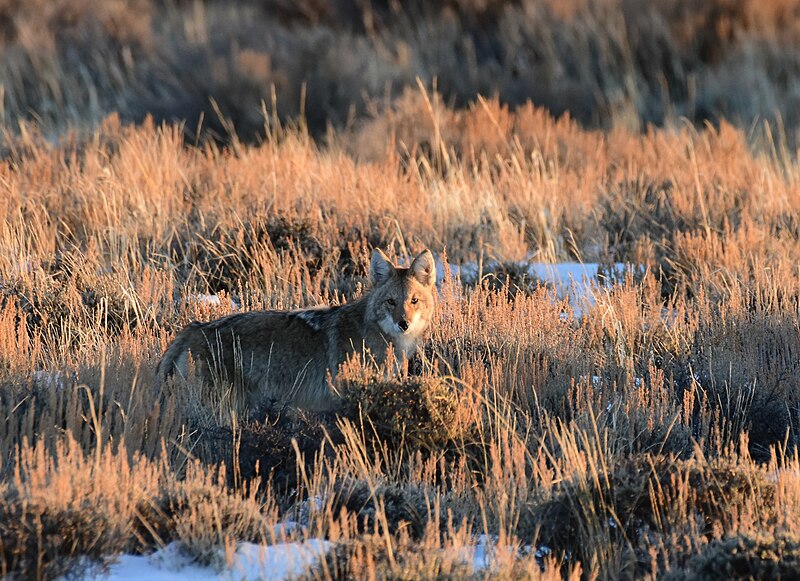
pixel 743 557
pixel 424 412
pixel 640 499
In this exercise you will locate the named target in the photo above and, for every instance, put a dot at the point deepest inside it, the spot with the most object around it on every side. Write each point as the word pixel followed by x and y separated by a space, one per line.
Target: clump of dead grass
pixel 65 510
pixel 272 448
pixel 749 556
pixel 39 541
pixel 370 555
pixel 424 412
pixel 627 503
pixel 393 508
pixel 204 516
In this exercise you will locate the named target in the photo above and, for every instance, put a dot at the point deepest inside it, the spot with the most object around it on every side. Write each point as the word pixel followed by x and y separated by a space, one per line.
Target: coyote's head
pixel 402 300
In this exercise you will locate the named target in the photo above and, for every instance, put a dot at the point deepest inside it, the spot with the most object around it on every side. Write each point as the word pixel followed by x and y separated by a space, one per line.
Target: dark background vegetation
pixel 212 64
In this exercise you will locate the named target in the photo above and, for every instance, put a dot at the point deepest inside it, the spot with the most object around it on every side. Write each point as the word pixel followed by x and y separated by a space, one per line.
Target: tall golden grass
pixel 634 440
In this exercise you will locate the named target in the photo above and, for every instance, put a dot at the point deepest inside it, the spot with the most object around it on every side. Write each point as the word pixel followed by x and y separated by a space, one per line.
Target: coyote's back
pixel 287 356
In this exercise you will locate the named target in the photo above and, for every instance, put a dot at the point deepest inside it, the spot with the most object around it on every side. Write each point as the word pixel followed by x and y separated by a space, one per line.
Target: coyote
pixel 287 356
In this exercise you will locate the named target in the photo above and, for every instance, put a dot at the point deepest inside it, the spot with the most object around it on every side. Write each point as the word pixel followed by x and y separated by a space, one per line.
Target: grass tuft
pixel 416 412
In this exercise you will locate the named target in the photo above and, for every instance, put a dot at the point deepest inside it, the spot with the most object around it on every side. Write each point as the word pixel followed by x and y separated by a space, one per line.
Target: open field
pixel 643 426
pixel 617 439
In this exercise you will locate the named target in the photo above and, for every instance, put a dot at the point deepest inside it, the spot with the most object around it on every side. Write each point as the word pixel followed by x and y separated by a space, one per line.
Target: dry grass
pixel 745 557
pixel 631 440
pixel 654 433
pixel 608 63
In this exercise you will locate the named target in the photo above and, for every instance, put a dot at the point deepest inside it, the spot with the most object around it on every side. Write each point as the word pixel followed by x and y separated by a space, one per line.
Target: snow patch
pixel 57 380
pixel 542 552
pixel 251 561
pixel 307 508
pixel 779 474
pixel 577 281
pixel 483 554
pixel 212 301
pixel 480 554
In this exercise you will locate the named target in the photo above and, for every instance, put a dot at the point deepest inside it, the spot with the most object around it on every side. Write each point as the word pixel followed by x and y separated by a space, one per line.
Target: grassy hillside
pixel 608 63
pixel 647 430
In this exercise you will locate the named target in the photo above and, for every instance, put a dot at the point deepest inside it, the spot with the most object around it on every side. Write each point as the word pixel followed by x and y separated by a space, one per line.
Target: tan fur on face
pixel 404 295
pixel 286 355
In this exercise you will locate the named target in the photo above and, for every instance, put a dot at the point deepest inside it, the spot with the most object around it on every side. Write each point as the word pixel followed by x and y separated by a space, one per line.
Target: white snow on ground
pixel 212 301
pixel 251 561
pixel 782 474
pixel 576 281
pixel 482 554
pixel 562 275
pixel 57 380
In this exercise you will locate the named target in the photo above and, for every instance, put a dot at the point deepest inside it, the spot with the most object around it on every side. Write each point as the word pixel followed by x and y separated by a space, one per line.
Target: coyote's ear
pixel 424 268
pixel 380 267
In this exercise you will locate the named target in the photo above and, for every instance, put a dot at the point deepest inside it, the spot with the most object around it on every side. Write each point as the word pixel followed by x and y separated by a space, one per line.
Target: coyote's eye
pixel 391 302
pixel 414 301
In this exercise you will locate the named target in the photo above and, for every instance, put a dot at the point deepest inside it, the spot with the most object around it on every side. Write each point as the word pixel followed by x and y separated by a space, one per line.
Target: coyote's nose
pixel 403 324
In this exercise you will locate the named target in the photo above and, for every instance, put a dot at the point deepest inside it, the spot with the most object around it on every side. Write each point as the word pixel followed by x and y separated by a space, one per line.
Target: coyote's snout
pixel 286 356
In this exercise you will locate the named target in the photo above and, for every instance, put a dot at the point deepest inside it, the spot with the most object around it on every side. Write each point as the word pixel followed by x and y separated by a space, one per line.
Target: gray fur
pixel 288 355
